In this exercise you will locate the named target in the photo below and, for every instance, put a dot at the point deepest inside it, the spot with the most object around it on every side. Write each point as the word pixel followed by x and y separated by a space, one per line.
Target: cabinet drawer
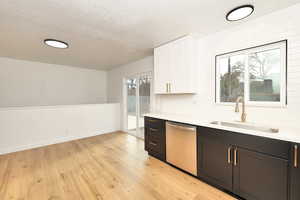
pixel 154 123
pixel 268 146
pixel 156 154
pixel 155 133
pixel 155 148
pixel 155 144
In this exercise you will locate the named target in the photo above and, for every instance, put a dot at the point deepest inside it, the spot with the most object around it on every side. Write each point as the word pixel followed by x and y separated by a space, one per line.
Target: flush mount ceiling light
pixel 240 12
pixel 56 43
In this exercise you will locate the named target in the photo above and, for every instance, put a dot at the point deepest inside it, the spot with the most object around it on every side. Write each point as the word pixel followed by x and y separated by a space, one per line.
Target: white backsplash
pixel 277 26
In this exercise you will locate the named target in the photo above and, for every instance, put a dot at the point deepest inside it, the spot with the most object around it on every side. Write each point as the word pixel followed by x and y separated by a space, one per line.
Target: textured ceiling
pixel 107 33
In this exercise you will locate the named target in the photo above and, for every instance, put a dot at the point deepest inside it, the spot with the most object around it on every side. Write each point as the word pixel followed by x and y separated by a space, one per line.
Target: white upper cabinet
pixel 161 69
pixel 175 67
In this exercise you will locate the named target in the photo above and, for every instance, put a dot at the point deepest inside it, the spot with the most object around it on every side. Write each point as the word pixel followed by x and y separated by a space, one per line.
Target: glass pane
pixel 131 105
pixel 144 91
pixel 232 78
pixel 144 101
pixel 264 75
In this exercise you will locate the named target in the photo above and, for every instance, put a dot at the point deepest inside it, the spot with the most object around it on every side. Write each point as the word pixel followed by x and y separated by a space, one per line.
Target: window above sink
pixel 258 74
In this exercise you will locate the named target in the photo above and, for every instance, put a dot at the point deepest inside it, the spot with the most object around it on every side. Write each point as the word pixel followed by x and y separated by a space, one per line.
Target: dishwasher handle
pixel 181 126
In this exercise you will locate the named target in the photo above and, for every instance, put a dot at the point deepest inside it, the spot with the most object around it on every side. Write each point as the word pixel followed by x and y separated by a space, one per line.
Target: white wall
pixel 43 104
pixel 25 83
pixel 28 127
pixel 280 25
pixel 277 26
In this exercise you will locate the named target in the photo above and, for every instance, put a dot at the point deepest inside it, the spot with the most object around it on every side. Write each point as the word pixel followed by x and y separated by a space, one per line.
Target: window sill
pixel 262 104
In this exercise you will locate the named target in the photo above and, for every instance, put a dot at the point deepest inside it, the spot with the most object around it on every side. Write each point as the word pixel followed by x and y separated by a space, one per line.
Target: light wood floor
pixel 105 167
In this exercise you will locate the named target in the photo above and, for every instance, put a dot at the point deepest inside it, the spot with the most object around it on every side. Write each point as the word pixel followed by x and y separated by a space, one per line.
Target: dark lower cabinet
pixel 155 138
pixel 251 167
pixel 214 164
pixel 295 173
pixel 259 176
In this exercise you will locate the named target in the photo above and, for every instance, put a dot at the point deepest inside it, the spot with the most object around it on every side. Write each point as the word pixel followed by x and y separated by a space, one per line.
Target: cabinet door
pixel 215 162
pixel 295 173
pixel 161 69
pixel 260 177
pixel 182 65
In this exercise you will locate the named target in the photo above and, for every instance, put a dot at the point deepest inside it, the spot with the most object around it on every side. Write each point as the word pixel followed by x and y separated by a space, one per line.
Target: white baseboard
pixel 6 150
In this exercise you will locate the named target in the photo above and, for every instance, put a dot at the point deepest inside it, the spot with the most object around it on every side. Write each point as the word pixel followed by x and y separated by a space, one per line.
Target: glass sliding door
pixel 138 97
pixel 144 101
pixel 131 87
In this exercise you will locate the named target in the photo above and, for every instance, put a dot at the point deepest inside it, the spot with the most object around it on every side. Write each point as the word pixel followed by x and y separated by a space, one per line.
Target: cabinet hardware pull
pixel 152 143
pixel 152 120
pixel 153 130
pixel 167 87
pixel 296 156
pixel 235 156
pixel 229 155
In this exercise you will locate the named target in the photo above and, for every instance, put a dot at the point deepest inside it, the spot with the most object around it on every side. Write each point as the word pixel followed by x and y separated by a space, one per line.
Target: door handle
pixel 235 157
pixel 296 156
pixel 229 155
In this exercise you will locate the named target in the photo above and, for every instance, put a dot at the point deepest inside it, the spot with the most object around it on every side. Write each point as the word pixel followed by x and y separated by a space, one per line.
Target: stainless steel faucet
pixel 244 115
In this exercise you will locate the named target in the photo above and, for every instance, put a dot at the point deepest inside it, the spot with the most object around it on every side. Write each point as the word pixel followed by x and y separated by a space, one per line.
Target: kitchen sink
pixel 246 126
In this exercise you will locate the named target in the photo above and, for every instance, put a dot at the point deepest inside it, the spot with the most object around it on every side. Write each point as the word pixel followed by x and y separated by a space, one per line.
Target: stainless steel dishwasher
pixel 181 146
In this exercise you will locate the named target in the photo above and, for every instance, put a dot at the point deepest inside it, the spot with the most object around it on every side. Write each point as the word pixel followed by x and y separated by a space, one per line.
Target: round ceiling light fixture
pixel 240 12
pixel 56 43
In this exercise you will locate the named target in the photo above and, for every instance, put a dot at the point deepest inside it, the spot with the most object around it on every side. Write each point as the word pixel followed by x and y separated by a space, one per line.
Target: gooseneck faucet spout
pixel 244 115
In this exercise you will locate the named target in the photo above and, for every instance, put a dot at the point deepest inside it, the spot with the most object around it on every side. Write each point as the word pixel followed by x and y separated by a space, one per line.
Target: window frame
pixel 283 45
